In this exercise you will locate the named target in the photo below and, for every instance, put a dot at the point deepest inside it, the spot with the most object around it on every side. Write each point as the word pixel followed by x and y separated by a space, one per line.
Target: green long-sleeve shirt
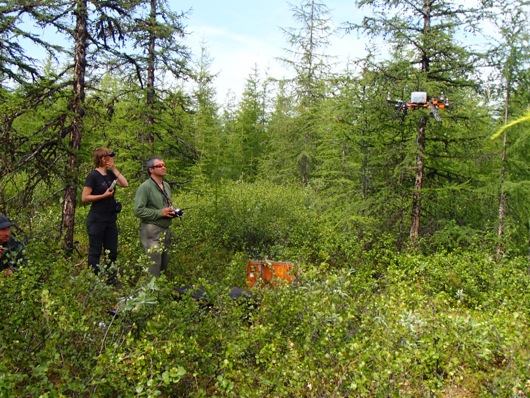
pixel 13 254
pixel 149 202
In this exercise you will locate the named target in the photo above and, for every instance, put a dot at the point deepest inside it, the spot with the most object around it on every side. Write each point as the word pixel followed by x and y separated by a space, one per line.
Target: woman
pixel 99 190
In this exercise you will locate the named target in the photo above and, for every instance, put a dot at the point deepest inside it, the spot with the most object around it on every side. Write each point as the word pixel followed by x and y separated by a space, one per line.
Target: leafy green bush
pixel 243 222
pixel 366 322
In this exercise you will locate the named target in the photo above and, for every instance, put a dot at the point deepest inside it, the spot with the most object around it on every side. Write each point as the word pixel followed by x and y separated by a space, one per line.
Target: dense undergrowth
pixel 362 320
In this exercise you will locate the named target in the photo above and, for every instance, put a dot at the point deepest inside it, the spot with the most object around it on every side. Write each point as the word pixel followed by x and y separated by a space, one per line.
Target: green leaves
pixel 369 323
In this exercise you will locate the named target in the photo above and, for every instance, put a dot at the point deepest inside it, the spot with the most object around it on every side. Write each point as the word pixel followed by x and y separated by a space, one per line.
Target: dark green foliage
pixel 443 324
pixel 254 221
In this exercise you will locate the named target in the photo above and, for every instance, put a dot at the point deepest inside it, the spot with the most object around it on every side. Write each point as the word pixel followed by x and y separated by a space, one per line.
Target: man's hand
pixel 1 251
pixel 168 212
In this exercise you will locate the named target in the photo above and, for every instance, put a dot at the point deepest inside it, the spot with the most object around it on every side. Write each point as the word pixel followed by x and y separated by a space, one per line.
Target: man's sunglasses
pixel 159 166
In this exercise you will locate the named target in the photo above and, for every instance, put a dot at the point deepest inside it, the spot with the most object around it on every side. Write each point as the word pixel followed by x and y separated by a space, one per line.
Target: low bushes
pixel 376 323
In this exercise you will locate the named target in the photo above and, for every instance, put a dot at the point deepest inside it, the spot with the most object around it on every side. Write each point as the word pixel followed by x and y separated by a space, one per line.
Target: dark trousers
pixel 102 235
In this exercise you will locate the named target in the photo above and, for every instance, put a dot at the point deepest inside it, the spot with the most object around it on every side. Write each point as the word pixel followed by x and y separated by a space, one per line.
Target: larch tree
pixel 250 125
pixel 24 85
pixel 423 32
pixel 91 29
pixel 207 133
pixel 281 146
pixel 162 57
pixel 509 58
pixel 306 56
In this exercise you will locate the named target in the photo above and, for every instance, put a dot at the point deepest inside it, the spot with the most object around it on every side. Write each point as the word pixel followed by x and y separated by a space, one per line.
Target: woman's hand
pixel 109 163
pixel 108 193
pixel 87 197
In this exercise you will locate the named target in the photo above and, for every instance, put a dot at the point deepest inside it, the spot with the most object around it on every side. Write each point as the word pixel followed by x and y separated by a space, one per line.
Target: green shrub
pixel 362 320
pixel 253 221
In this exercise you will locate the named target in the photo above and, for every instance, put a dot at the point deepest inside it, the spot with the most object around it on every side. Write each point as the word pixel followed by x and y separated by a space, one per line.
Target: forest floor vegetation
pixel 358 322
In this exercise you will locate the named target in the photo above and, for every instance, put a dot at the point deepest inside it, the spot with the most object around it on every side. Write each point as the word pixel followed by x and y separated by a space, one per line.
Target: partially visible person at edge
pixel 101 221
pixel 152 204
pixel 11 250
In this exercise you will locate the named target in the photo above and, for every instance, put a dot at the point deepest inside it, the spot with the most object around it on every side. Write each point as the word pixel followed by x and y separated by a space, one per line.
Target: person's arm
pixel 120 178
pixel 87 197
pixel 4 267
pixel 141 208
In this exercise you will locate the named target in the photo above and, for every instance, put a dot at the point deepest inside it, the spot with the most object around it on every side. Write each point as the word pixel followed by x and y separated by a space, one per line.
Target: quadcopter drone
pixel 419 100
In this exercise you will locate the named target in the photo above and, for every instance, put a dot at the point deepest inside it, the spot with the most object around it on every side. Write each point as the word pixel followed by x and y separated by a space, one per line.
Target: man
pixel 152 204
pixel 11 250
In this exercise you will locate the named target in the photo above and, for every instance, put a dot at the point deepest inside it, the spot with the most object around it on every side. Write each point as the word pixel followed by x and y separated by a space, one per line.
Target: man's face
pixel 159 168
pixel 5 234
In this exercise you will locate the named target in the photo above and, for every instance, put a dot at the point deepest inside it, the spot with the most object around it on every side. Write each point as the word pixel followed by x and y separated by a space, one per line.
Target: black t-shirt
pixel 102 209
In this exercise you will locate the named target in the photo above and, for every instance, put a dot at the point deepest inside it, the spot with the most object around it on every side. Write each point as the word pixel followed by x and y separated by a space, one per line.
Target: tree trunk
pixel 420 141
pixel 502 195
pixel 72 164
pixel 418 184
pixel 151 58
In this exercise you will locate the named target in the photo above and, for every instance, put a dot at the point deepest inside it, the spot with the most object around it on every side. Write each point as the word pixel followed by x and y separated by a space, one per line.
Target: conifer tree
pixel 422 34
pixel 353 147
pixel 158 34
pixel 250 126
pixel 279 163
pixel 16 64
pixel 207 132
pixel 509 56
pixel 307 58
pixel 93 29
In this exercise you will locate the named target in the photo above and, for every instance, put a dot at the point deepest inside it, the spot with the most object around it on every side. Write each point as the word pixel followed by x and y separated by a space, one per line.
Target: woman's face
pixel 108 161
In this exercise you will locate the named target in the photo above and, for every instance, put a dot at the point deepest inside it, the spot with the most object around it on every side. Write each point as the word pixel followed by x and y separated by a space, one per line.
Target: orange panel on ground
pixel 267 271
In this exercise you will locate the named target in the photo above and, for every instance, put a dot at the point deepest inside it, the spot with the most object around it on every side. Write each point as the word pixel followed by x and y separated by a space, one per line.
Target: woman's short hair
pixel 99 154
